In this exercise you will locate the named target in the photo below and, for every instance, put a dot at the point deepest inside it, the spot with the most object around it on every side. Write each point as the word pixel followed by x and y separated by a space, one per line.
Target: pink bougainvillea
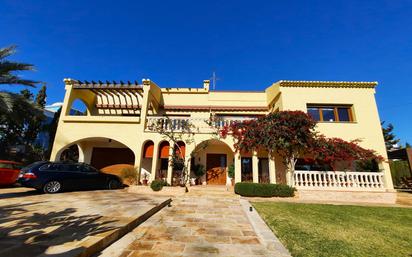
pixel 292 134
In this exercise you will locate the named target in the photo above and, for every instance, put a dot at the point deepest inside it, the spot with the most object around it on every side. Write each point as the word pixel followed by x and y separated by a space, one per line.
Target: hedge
pixel 157 185
pixel 399 170
pixel 264 190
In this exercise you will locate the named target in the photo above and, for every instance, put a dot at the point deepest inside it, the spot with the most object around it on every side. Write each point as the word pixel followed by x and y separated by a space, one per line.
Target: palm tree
pixel 9 76
pixel 9 69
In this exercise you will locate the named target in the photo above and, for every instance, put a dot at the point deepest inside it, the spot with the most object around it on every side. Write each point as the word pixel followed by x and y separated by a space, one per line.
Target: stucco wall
pixel 130 130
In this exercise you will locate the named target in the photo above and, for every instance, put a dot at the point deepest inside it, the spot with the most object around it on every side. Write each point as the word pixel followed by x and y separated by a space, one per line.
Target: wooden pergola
pixel 114 95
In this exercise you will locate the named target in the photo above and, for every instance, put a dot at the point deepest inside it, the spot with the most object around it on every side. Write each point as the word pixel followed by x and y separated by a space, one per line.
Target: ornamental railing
pixel 183 124
pixel 339 180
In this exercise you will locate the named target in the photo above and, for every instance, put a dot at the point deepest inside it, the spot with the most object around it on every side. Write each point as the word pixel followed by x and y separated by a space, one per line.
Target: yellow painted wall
pixel 130 130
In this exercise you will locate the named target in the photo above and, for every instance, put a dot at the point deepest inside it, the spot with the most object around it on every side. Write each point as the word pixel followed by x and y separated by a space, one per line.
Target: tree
pixel 35 124
pixel 9 69
pixel 407 145
pixel 389 136
pixel 27 94
pixel 335 151
pixel 41 96
pixel 15 123
pixel 20 117
pixel 176 131
pixel 292 135
pixel 52 128
pixel 288 133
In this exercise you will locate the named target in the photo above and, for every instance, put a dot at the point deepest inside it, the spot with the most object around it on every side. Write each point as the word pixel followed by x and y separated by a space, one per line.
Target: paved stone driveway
pixel 66 224
pixel 205 222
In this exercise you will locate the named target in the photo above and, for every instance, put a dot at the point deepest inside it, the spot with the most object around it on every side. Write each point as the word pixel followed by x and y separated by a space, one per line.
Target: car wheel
pixel 114 184
pixel 52 187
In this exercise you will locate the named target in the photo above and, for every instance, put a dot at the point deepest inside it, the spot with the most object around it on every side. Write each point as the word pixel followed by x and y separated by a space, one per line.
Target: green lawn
pixel 339 230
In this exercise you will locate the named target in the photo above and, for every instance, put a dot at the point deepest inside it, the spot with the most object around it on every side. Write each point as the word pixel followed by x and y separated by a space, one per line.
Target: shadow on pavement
pixel 19 194
pixel 29 233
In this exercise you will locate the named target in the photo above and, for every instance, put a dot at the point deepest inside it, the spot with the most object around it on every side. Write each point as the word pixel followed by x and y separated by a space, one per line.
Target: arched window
pixel 180 149
pixel 78 108
pixel 164 150
pixel 148 149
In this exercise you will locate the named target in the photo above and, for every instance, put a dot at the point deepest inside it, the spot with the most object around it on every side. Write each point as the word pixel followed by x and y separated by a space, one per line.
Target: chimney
pixel 206 84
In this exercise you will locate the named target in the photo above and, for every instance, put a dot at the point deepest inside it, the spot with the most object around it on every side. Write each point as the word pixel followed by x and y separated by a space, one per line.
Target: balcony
pixel 188 124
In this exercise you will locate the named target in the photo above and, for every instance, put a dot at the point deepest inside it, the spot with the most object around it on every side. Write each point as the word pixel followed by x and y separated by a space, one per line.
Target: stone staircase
pixel 212 191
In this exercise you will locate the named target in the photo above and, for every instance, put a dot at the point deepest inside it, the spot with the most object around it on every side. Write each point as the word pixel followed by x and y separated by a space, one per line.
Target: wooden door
pixel 216 169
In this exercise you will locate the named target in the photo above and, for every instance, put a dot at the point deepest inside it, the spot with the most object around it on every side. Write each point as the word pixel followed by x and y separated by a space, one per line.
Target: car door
pixel 69 175
pixel 93 178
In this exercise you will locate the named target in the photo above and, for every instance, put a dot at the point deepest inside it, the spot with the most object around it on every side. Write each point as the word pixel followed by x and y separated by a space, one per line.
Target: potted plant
pixel 145 178
pixel 231 173
pixel 199 171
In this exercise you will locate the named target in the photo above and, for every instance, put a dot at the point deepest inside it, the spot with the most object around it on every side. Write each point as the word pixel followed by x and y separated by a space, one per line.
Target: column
pixel 138 164
pixel 188 167
pixel 188 158
pixel 386 175
pixel 82 147
pixel 238 168
pixel 170 163
pixel 154 161
pixel 272 169
pixel 289 179
pixel 255 167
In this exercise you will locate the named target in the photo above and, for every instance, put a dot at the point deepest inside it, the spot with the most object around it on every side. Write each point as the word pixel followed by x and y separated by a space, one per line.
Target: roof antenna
pixel 214 79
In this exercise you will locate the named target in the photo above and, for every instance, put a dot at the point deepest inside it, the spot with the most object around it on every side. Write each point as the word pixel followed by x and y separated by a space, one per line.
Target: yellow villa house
pixel 117 129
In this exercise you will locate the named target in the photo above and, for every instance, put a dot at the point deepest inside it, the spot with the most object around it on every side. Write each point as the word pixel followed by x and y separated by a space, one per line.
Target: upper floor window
pixel 331 113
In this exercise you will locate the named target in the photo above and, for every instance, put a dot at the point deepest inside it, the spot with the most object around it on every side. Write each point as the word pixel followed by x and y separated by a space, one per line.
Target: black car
pixel 53 177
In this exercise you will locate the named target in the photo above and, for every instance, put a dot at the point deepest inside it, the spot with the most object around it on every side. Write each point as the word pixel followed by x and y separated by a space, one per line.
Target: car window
pixel 50 167
pixel 72 167
pixel 87 168
pixel 32 165
pixel 6 166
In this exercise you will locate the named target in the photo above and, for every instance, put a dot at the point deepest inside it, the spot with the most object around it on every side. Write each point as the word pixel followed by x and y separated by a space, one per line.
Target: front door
pixel 216 169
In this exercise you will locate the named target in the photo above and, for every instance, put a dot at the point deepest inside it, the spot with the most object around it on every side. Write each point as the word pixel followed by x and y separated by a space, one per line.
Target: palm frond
pixel 15 80
pixel 9 69
pixel 7 51
pixel 7 66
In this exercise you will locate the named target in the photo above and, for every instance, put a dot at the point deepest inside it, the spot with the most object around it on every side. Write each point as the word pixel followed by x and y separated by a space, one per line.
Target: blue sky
pixel 250 44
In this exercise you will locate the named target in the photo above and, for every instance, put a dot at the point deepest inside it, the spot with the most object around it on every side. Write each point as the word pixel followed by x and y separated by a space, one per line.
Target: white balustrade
pixel 199 125
pixel 339 180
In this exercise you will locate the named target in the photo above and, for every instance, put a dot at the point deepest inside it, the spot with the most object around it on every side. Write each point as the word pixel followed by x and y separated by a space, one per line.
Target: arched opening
pixel 214 157
pixel 146 162
pixel 178 162
pixel 99 152
pixel 163 159
pixel 78 108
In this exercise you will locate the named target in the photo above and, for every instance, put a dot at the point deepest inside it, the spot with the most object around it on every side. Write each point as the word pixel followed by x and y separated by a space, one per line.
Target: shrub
pixel 129 175
pixel 231 171
pixel 199 170
pixel 264 190
pixel 157 185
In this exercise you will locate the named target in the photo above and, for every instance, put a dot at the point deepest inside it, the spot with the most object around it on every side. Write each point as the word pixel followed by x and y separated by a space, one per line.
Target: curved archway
pixel 146 161
pixel 101 152
pixel 180 149
pixel 78 107
pixel 215 156
pixel 163 160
